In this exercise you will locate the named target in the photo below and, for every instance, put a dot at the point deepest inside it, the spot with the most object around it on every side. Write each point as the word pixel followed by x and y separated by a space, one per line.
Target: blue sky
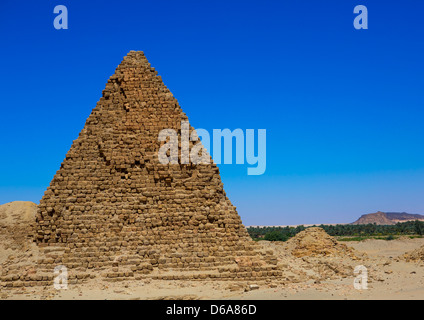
pixel 343 108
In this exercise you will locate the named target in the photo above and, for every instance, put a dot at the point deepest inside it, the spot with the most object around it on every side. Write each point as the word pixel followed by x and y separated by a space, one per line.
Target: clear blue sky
pixel 343 108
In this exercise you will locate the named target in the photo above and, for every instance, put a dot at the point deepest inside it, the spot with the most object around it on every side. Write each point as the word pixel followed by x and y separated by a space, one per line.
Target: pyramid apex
pixel 134 52
pixel 135 58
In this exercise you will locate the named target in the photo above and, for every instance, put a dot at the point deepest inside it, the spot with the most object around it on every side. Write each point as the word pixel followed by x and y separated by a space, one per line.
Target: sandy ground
pixel 307 273
pixel 394 279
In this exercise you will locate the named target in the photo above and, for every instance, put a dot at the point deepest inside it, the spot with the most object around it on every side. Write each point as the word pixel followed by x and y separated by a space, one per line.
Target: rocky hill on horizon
pixel 387 218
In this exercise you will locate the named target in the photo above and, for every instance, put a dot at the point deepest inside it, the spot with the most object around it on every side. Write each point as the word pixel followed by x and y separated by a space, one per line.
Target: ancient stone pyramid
pixel 113 204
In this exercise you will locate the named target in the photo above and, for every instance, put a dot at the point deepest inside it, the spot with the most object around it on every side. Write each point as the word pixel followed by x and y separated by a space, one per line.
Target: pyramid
pixel 315 242
pixel 114 207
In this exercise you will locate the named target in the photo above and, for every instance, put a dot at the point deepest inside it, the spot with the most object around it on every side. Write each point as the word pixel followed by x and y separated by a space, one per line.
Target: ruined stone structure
pixel 113 209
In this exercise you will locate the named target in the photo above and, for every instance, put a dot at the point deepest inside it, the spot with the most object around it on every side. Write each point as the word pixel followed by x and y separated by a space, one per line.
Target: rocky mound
pixel 18 212
pixel 416 255
pixel 315 242
pixel 313 255
pixel 17 220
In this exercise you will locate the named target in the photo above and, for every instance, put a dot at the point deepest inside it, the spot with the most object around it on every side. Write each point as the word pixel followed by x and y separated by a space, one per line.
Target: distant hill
pixel 388 218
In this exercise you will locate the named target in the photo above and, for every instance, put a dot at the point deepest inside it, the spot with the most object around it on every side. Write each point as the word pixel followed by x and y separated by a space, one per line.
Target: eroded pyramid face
pixel 112 188
pixel 115 211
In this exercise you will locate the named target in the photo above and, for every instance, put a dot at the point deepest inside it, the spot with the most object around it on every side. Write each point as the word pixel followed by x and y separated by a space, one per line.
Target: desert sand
pixel 314 265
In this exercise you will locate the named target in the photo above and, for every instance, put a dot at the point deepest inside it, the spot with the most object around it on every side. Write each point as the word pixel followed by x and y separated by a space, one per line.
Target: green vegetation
pixel 275 236
pixel 344 232
pixel 354 238
pixel 389 237
pixel 419 227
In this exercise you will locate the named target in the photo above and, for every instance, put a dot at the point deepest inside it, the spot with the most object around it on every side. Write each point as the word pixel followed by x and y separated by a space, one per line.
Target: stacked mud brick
pixel 113 207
